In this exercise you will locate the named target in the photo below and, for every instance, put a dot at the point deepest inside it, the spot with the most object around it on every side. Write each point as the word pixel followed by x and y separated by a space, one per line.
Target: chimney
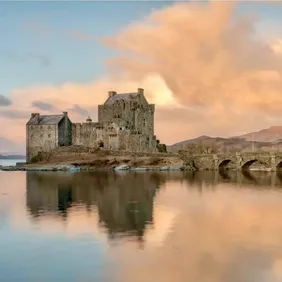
pixel 140 91
pixel 65 114
pixel 112 93
pixel 35 116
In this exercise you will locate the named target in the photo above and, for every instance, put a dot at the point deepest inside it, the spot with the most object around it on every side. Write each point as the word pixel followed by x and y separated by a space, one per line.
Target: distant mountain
pixel 12 157
pixel 265 139
pixel 189 141
pixel 271 134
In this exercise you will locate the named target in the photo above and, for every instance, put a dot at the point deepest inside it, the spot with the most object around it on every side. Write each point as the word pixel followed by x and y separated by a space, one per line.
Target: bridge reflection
pixel 240 178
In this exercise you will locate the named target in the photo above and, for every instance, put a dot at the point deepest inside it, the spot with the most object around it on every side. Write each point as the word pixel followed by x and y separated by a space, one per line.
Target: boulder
pixel 172 167
pixel 140 169
pixel 122 167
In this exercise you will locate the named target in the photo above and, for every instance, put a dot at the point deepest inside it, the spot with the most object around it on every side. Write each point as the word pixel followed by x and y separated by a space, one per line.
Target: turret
pixel 112 93
pixel 140 91
pixel 89 120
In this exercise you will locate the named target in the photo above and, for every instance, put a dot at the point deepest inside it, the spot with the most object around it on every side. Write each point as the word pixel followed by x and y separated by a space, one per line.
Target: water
pixel 8 162
pixel 131 227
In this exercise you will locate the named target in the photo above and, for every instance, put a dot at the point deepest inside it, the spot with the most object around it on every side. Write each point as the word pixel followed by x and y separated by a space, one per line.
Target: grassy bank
pixel 104 159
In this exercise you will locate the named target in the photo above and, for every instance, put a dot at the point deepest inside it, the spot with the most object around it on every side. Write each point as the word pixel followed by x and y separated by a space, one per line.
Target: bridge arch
pixel 246 165
pixel 224 163
pixel 279 165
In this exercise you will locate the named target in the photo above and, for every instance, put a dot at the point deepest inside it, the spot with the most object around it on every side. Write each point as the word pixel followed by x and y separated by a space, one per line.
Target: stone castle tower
pixel 125 122
pixel 129 111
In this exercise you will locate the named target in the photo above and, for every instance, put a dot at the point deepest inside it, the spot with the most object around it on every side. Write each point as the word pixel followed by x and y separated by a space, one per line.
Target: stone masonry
pixel 125 122
pixel 238 161
pixel 46 132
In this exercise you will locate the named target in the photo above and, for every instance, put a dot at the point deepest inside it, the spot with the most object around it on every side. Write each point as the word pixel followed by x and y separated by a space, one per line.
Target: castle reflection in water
pixel 124 201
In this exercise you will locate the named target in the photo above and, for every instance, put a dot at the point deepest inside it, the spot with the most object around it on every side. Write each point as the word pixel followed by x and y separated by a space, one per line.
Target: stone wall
pixel 112 137
pixel 87 134
pixel 82 149
pixel 40 138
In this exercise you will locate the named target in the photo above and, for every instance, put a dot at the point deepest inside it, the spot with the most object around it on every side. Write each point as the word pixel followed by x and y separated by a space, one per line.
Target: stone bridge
pixel 238 161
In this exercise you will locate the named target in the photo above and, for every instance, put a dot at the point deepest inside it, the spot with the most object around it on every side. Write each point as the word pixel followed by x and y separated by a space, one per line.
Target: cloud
pixel 215 66
pixel 15 114
pixel 47 31
pixel 24 58
pixel 43 106
pixel 4 101
pixel 79 110
pixel 277 46
pixel 210 76
pixel 42 59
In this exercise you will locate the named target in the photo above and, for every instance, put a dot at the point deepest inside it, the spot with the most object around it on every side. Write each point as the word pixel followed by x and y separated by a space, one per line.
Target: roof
pixel 121 96
pixel 46 119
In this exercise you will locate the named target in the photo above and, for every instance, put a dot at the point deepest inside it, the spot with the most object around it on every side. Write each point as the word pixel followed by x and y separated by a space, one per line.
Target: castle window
pixel 41 127
pixel 120 128
pixel 49 135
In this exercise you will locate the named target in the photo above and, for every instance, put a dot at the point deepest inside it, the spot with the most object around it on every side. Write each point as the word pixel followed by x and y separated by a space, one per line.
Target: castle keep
pixel 125 122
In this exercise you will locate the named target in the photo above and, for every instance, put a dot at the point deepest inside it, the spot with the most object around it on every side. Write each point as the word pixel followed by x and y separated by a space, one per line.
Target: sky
pixel 212 68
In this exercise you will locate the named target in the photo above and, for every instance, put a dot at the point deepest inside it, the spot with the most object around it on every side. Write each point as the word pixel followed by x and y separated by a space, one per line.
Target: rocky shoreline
pixel 73 168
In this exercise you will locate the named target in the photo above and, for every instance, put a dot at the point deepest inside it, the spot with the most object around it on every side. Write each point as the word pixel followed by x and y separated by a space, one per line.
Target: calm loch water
pixel 133 227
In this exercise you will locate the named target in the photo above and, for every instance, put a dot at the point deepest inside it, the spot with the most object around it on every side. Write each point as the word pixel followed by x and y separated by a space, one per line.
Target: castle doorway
pixel 101 144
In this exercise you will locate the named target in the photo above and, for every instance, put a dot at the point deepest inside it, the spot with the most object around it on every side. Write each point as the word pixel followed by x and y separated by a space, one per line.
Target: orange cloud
pixel 193 59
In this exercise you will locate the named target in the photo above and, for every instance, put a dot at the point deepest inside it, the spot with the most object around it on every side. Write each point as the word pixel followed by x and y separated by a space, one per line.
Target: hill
pixel 189 141
pixel 271 134
pixel 12 157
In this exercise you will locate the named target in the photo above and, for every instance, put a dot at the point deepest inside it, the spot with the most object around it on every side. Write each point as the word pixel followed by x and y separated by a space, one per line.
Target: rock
pixel 176 167
pixel 122 167
pixel 8 168
pixel 74 169
pixel 173 167
pixel 41 168
pixel 165 168
pixel 140 169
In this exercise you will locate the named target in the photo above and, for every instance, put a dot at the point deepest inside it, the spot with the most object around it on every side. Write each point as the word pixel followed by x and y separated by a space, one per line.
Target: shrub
pixel 38 158
pixel 154 161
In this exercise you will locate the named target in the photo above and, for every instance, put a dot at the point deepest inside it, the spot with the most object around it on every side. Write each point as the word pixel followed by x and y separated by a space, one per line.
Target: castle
pixel 125 122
